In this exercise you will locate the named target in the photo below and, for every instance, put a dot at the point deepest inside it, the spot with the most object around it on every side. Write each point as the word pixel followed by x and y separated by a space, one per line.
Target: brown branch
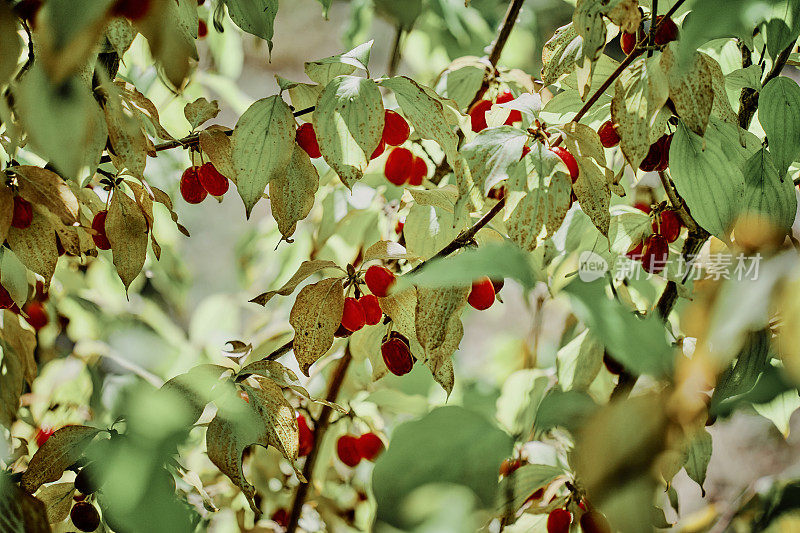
pixel 335 385
pixel 394 59
pixel 505 31
pixel 748 103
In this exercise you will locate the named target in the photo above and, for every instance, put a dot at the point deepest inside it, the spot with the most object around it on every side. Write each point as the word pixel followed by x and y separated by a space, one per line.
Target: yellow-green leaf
pixel 315 317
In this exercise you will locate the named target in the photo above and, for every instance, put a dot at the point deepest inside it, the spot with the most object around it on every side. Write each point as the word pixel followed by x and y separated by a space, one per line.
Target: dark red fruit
pixel 27 10
pixel 398 228
pixel 498 284
pixel 372 309
pixel 379 279
pixel 482 294
pixel 666 142
pixel 635 253
pixel 347 450
pixel 131 9
pixel 525 151
pixel 191 188
pixel 537 495
pixel 88 479
pixel 399 165
pixel 353 318
pixel 36 315
pixel 369 446
pixel 667 31
pixel 395 128
pixel 558 521
pixel 23 213
pixel 419 171
pixel 515 115
pixel 509 466
pixel 656 253
pixel 212 181
pixel 378 151
pixel 84 516
pixel 658 155
pixel 306 437
pixel 202 29
pixel 668 225
pixel 643 207
pixel 99 225
pixel 612 365
pixel 342 332
pixel 6 302
pixel 397 355
pixel 594 522
pixel 568 160
pixel 281 517
pixel 608 134
pixel 44 433
pixel 477 115
pixel 627 41
pixel 306 137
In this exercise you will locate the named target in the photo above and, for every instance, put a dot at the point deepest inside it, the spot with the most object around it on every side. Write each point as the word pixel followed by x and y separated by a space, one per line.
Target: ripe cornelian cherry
pixel 378 280
pixel 36 315
pixel 395 128
pixel 515 115
pixel 657 157
pixel 482 294
pixel 635 253
pixel 627 41
pixel 84 516
pixel 306 437
pixel 612 365
pixel 99 225
pixel 608 134
pixel 398 228
pixel 372 309
pixel 281 517
pixel 6 302
pixel 398 166
pixel 191 188
pixel 369 446
pixel 212 181
pixel 131 9
pixel 666 143
pixel 419 171
pixel 643 207
pixel 477 115
pixel 656 253
pixel 558 521
pixel 568 160
pixel 509 466
pixel 44 433
pixel 594 522
pixel 378 151
pixel 347 451
pixel 667 31
pixel 342 332
pixel 23 213
pixel 397 355
pixel 668 225
pixel 306 137
pixel 353 318
pixel 202 29
pixel 525 151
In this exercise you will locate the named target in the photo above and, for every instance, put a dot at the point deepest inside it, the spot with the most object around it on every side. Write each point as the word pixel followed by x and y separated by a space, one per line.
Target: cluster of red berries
pixel 359 312
pixel 351 449
pixel 591 521
pixel 653 251
pixel 477 113
pixel 197 182
pixel 657 158
pixel 666 33
pixel 33 311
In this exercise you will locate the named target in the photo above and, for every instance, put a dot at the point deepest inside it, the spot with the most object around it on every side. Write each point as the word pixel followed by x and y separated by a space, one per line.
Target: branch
pixel 335 385
pixel 748 103
pixel 394 59
pixel 505 31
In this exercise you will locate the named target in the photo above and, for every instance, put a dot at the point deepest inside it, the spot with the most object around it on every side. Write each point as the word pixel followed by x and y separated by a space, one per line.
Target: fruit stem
pixel 652 36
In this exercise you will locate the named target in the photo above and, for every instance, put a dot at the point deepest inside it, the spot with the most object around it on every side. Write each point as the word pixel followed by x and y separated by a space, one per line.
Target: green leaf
pixel 448 445
pixel 783 28
pixel 315 316
pixel 628 229
pixel 690 88
pixel 323 71
pixel 697 456
pixel 10 43
pixel 262 146
pixel 517 488
pixel 292 193
pixel 567 409
pixel 561 53
pixel 779 115
pixel 61 450
pixel 462 84
pixel 766 193
pixel 779 410
pixel 402 14
pixel 579 361
pixel 519 400
pixel 14 276
pixel 490 154
pixel 428 229
pixel 254 16
pixel 349 124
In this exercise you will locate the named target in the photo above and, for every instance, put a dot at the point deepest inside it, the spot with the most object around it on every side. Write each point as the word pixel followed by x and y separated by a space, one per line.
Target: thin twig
pixel 394 60
pixel 651 37
pixel 505 31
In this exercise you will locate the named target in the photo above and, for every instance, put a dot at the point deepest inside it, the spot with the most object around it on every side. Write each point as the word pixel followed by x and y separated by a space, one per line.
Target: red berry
pixel 612 365
pixel 23 213
pixel 668 225
pixel 378 151
pixel 281 517
pixel 627 42
pixel 378 280
pixel 515 115
pixel 667 31
pixel 537 495
pixel 656 253
pixel 568 160
pixel 44 433
pixel 212 181
pixel 372 309
pixel 6 302
pixel 498 284
pixel 525 151
pixel 643 207
pixel 419 171
pixel 594 522
pixel 191 188
pixel 398 228
pixel 558 521
pixel 505 96
pixel 666 142
pixel 477 115
pixel 353 318
pixel 36 315
pixel 398 166
pixel 608 134
pixel 132 9
pixel 395 128
pixel 202 29
pixel 99 225
pixel 397 355
pixel 369 446
pixel 509 466
pixel 306 137
pixel 635 253
pixel 305 436
pixel 84 516
pixel 657 157
pixel 482 294
pixel 342 332
pixel 347 451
